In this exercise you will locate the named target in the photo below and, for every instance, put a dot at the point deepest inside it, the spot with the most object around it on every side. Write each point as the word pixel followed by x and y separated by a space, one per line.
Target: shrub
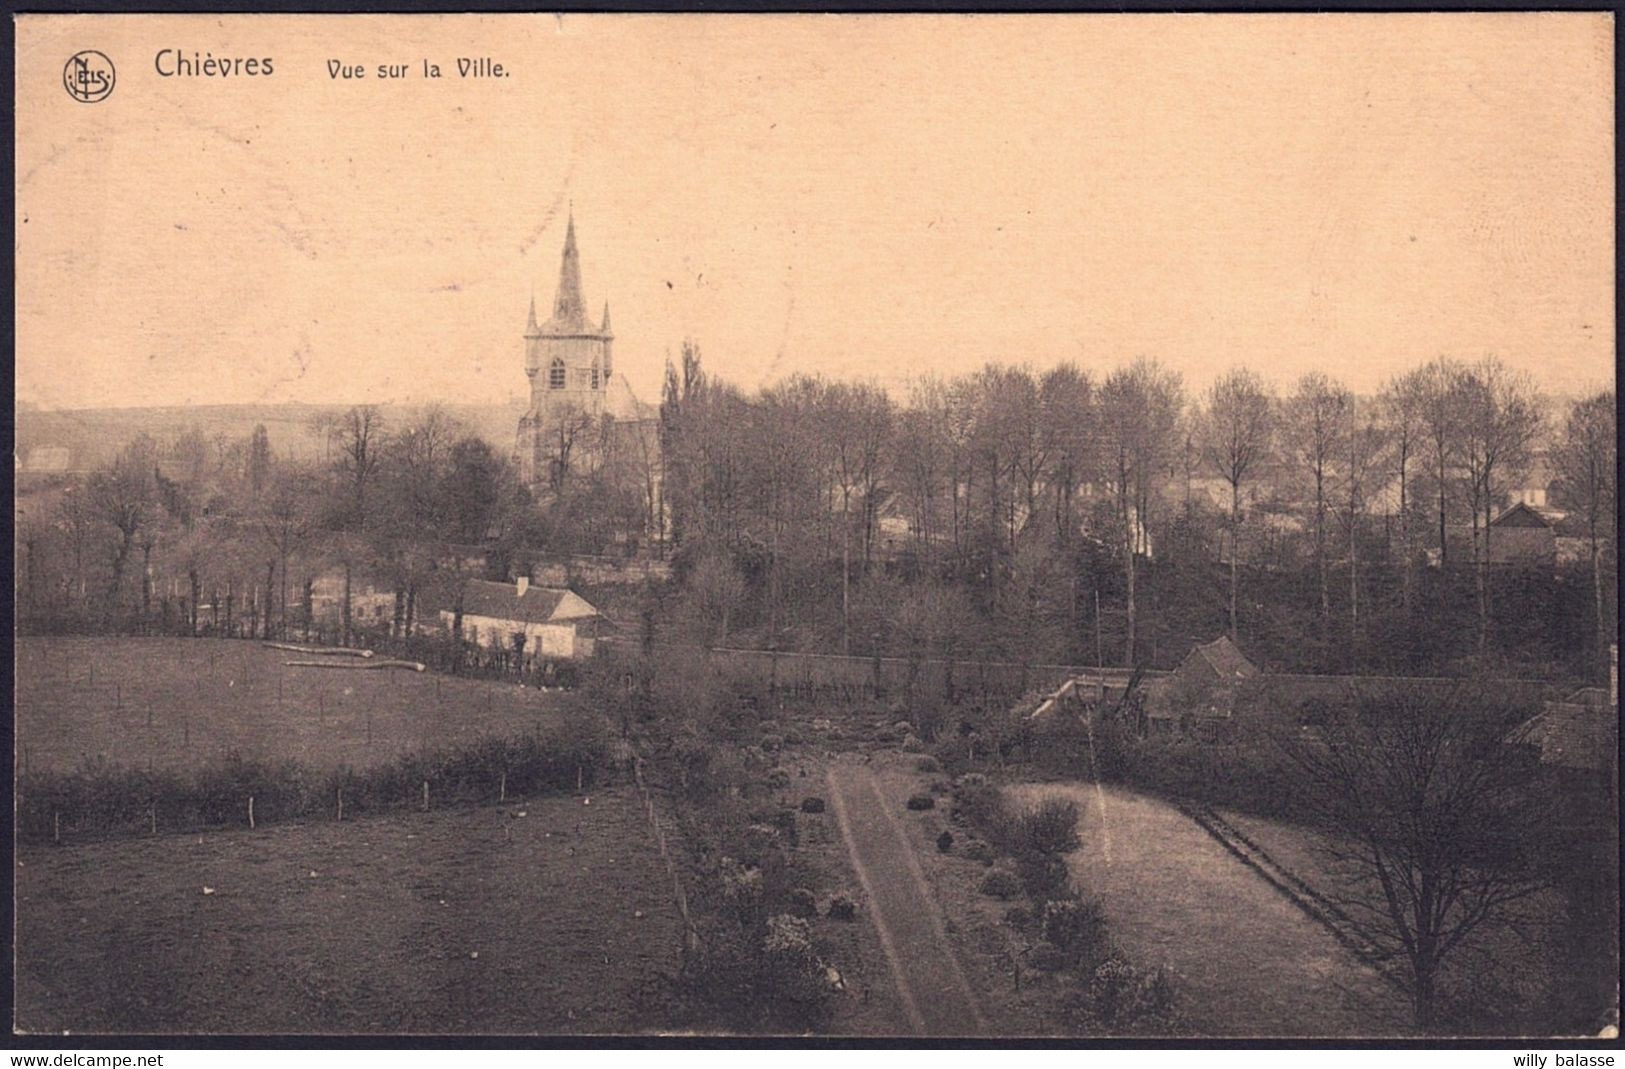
pixel 927 764
pixel 1050 827
pixel 977 850
pixel 1119 997
pixel 784 820
pixel 912 744
pixel 812 805
pixel 802 903
pixel 1001 883
pixel 766 977
pixel 1077 927
pixel 772 743
pixel 778 778
pixel 1046 957
pixel 842 908
pixel 921 802
pixel 945 842
pixel 1044 877
pixel 1019 917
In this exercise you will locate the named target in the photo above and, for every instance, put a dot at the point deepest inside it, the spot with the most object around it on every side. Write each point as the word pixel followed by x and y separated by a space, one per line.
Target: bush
pixel 945 842
pixel 764 977
pixel 1077 927
pixel 812 805
pixel 842 908
pixel 1044 877
pixel 1019 917
pixel 912 744
pixel 1050 827
pixel 1001 883
pixel 927 764
pixel 978 851
pixel 1046 957
pixel 921 802
pixel 1119 997
pixel 802 903
pixel 778 778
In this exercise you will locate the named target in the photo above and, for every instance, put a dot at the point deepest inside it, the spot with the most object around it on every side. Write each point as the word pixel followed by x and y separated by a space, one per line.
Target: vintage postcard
pixel 816 525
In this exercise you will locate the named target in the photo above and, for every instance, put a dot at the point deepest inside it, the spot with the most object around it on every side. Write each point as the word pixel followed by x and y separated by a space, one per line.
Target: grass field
pixel 1249 962
pixel 178 703
pixel 521 918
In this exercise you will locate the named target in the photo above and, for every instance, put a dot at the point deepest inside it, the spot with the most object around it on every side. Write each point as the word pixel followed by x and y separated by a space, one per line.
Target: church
pixel 581 413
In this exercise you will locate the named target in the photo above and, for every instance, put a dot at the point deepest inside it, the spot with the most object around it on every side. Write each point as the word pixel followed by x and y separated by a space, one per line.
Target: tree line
pixel 1064 515
pixel 1067 515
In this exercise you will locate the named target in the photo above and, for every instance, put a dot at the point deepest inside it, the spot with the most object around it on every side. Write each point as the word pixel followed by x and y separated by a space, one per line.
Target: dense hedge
pixel 102 799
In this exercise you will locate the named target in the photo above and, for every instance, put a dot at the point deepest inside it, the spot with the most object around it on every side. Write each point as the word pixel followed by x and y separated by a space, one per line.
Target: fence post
pixel 425 796
pixel 502 787
pixel 152 817
pixel 56 827
pixel 341 803
pixel 251 811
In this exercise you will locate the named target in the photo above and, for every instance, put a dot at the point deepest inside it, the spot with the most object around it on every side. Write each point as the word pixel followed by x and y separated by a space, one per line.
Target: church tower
pixel 568 360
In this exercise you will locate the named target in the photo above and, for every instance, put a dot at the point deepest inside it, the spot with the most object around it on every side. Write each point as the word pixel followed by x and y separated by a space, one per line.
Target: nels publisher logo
pixel 88 77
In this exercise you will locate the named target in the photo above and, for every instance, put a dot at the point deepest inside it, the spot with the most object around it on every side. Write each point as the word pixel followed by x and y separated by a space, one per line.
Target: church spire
pixel 530 323
pixel 604 330
pixel 568 307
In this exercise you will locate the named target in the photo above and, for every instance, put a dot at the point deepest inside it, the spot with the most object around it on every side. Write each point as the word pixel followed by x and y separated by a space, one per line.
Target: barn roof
pixel 1521 515
pixel 1570 735
pixel 538 604
pixel 1226 660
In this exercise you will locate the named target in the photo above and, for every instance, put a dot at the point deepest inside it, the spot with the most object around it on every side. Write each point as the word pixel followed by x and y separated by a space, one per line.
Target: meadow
pixel 547 915
pixel 174 705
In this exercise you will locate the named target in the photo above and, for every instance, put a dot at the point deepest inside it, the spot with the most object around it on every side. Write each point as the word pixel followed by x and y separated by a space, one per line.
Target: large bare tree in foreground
pixel 1428 819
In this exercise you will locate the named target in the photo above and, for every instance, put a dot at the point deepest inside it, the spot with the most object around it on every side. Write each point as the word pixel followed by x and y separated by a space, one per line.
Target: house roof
pixel 538 604
pixel 1570 735
pixel 1226 660
pixel 1521 515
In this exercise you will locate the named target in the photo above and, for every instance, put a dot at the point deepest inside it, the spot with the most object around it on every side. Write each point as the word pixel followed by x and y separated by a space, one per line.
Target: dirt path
pixel 1249 962
pixel 936 998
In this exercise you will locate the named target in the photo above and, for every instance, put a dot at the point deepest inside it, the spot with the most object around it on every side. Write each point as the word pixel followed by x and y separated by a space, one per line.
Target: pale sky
pixel 858 196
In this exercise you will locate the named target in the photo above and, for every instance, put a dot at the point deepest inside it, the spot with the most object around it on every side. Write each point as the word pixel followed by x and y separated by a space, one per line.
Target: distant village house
pixel 553 622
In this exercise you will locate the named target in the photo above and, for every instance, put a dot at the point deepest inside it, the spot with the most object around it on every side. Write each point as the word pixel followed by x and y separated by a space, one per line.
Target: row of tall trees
pixel 1019 487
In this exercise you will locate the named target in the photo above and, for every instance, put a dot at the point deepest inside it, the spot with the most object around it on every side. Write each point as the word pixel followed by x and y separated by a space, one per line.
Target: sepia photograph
pixel 833 528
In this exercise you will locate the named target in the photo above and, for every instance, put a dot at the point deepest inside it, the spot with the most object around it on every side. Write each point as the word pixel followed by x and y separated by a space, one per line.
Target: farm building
pixel 554 622
pixel 1201 693
pixel 1522 535
pixel 1576 744
pixel 1579 733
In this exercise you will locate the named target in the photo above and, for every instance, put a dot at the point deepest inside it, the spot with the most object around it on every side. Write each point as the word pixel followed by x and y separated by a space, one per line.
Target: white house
pixel 554 622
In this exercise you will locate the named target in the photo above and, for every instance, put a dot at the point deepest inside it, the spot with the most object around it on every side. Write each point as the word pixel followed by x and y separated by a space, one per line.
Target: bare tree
pixel 1139 424
pixel 1402 402
pixel 1316 429
pixel 285 520
pixel 856 422
pixel 1363 461
pixel 1237 434
pixel 1430 826
pixel 123 496
pixel 1585 459
pixel 1438 384
pixel 1499 419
